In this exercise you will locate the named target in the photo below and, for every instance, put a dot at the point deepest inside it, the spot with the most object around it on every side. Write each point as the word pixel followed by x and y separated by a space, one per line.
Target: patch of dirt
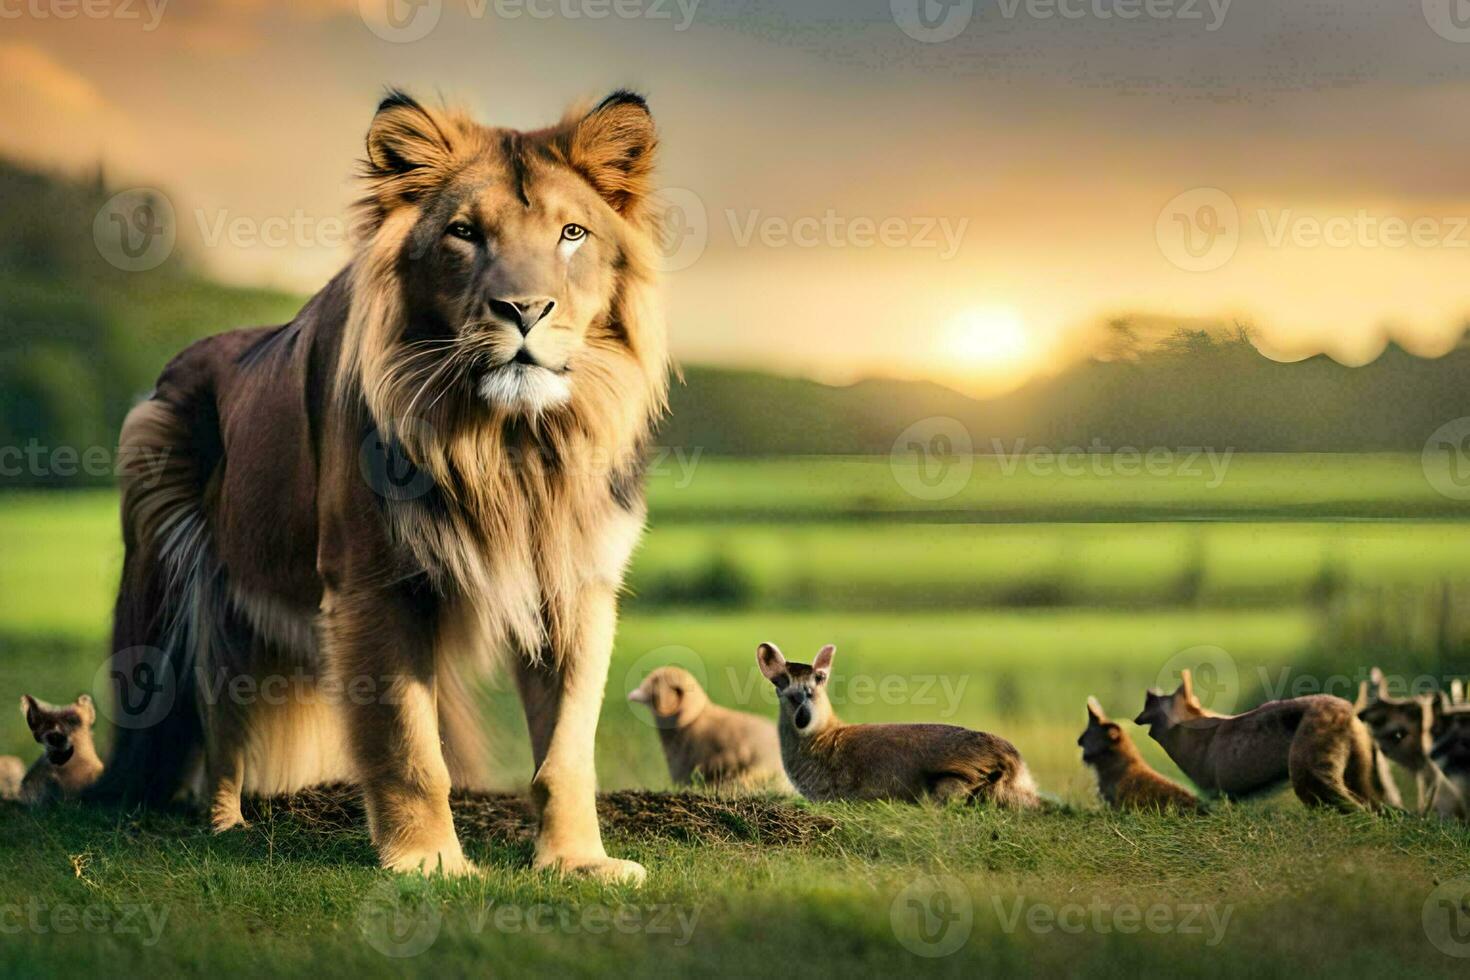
pixel 629 813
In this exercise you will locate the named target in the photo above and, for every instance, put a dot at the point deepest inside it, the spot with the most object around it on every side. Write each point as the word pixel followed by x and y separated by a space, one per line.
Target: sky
pixel 960 190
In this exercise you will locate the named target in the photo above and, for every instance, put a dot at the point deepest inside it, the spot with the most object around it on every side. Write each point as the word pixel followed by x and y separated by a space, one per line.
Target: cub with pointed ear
pixel 705 742
pixel 1124 780
pixel 1450 752
pixel 70 763
pixel 827 759
pixel 1316 742
pixel 1401 728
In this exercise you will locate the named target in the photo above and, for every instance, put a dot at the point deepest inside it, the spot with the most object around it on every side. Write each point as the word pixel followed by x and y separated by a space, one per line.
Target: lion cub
pixel 1451 737
pixel 729 750
pixel 70 763
pixel 1124 780
pixel 827 759
pixel 1401 727
pixel 1316 742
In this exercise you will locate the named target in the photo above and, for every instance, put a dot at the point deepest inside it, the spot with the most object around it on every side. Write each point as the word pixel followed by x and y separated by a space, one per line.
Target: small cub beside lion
pixel 70 763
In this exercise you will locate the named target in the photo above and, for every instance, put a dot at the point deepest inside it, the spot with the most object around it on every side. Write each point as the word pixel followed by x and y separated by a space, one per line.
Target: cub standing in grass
pixel 1401 728
pixel 827 759
pixel 729 750
pixel 70 763
pixel 1316 742
pixel 1124 780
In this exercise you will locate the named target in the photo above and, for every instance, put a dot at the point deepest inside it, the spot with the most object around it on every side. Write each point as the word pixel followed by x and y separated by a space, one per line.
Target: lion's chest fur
pixel 518 553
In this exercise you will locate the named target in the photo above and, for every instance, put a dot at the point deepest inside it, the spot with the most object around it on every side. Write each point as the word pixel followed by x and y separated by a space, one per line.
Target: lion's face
pixel 520 281
pixel 513 245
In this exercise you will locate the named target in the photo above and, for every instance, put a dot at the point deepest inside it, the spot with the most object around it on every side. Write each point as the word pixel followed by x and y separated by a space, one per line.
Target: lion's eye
pixel 572 233
pixel 463 230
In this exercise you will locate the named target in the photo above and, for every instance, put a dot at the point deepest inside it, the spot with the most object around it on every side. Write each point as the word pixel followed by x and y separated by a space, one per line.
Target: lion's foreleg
pixel 381 655
pixel 562 700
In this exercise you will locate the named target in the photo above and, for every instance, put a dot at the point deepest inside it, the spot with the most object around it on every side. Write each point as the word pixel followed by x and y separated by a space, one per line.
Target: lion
pixel 334 527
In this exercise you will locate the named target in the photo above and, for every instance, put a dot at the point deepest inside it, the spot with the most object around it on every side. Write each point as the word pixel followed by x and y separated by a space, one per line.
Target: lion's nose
pixel 524 313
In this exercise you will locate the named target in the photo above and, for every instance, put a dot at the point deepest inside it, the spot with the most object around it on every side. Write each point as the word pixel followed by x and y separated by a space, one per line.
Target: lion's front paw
pixel 226 816
pixel 447 860
pixel 600 866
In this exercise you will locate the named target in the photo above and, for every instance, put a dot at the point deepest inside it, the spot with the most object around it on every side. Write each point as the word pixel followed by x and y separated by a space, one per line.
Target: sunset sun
pixel 990 340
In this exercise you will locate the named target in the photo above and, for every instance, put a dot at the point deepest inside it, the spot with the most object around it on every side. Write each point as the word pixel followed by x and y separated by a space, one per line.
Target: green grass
pixel 1270 891
pixel 1047 590
pixel 686 486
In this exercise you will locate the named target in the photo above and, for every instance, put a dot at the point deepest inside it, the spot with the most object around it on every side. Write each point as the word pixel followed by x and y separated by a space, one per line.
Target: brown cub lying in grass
pixel 1124 780
pixel 1316 742
pixel 827 759
pixel 1401 727
pixel 70 763
pixel 725 749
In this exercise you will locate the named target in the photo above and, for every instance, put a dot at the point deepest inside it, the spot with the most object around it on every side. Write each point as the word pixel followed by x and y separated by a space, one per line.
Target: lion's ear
pixel 613 147
pixel 404 136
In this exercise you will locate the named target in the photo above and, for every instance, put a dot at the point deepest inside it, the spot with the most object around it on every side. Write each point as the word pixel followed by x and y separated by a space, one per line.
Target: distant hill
pixel 1206 392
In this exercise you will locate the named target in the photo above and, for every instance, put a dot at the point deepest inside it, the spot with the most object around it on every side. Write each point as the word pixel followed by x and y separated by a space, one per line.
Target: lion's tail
pixel 170 586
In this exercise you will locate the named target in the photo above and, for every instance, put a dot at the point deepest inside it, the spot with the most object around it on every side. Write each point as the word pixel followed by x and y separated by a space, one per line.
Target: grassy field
pixel 1001 607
